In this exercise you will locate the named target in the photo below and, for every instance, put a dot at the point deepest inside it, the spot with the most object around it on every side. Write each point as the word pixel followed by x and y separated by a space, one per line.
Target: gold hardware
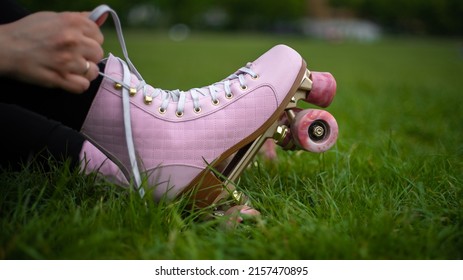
pixel 117 86
pixel 244 87
pixel 162 110
pixel 179 114
pixel 229 95
pixel 215 102
pixel 280 133
pixel 148 99
pixel 132 91
pixel 237 196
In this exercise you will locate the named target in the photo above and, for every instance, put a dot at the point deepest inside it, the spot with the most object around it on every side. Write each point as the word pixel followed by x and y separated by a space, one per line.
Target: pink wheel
pixel 314 130
pixel 323 89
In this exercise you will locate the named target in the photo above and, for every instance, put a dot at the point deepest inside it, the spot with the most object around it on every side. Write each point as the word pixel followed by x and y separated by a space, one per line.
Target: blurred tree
pixel 440 17
pixel 59 5
pixel 255 14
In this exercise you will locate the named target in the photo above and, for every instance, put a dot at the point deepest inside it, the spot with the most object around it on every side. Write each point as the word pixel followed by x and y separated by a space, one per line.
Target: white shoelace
pixel 167 95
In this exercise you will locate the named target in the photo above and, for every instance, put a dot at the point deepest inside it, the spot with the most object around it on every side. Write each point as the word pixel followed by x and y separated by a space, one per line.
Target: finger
pixel 78 66
pixel 88 69
pixel 47 77
pixel 92 72
pixel 74 83
pixel 91 29
pixel 101 20
pixel 81 21
pixel 91 50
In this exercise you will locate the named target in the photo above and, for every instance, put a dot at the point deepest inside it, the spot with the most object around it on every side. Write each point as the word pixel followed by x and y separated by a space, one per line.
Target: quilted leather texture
pixel 172 150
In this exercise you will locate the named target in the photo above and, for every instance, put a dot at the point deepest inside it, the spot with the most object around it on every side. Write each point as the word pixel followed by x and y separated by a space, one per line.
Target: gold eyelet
pixel 179 114
pixel 244 87
pixel 132 91
pixel 229 95
pixel 215 102
pixel 148 100
pixel 117 86
pixel 255 77
pixel 162 110
pixel 197 110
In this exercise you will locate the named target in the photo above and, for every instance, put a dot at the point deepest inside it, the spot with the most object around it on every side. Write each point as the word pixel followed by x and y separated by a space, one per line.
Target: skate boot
pixel 198 141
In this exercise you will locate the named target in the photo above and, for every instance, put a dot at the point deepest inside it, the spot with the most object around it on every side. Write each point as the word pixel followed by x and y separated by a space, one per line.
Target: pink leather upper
pixel 173 150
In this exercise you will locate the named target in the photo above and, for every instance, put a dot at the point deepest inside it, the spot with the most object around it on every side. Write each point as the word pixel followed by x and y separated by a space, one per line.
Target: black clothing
pixel 11 11
pixel 30 136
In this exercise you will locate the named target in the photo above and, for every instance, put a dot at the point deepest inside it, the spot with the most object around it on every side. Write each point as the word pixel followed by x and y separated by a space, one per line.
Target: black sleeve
pixel 11 11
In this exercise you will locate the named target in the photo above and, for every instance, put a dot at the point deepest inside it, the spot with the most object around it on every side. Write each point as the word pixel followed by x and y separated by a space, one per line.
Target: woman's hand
pixel 52 50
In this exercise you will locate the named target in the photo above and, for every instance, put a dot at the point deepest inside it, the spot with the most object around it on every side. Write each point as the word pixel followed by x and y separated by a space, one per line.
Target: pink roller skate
pixel 172 142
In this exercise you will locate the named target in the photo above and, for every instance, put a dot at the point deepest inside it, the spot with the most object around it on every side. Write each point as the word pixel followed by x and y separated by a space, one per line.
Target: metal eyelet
pixel 215 102
pixel 179 114
pixel 244 87
pixel 162 110
pixel 117 86
pixel 197 110
pixel 229 95
pixel 132 91
pixel 255 77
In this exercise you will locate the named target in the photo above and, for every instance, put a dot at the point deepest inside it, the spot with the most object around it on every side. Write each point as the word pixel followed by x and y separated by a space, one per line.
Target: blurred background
pixel 364 20
pixel 391 187
pixel 398 63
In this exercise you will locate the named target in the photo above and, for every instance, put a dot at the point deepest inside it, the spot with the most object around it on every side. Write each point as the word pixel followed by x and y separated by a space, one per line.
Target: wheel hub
pixel 318 130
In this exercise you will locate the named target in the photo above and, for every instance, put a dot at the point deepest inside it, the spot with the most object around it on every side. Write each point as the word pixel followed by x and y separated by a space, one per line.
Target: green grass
pixel 391 188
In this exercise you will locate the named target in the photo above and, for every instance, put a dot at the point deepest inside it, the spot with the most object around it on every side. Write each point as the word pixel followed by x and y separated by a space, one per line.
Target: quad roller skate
pixel 198 142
